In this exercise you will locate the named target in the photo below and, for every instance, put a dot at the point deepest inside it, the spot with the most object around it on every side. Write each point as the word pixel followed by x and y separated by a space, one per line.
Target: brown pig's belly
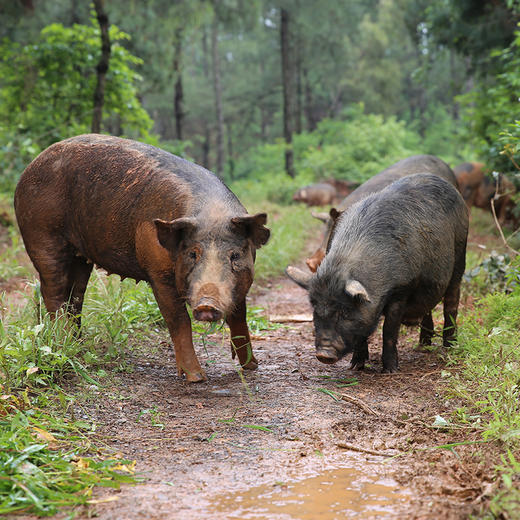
pixel 122 266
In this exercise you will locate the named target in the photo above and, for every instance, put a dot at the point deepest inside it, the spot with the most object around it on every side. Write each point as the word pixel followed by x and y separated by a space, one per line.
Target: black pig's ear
pixel 253 226
pixel 334 214
pixel 324 217
pixel 356 290
pixel 298 276
pixel 170 233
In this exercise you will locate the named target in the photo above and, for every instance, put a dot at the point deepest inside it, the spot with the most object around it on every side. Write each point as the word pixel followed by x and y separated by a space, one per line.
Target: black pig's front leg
pixel 391 326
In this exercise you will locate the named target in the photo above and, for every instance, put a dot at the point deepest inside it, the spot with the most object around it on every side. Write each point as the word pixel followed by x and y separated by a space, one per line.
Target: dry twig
pixel 352 447
pixel 359 403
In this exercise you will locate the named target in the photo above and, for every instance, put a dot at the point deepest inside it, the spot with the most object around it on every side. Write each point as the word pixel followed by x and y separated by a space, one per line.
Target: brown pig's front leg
pixel 178 321
pixel 240 339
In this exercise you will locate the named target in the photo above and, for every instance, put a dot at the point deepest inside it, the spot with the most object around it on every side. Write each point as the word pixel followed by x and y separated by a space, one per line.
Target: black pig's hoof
pixel 390 369
pixel 327 355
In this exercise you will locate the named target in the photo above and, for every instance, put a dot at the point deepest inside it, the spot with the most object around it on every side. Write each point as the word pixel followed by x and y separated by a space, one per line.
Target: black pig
pixel 409 166
pixel 142 213
pixel 395 253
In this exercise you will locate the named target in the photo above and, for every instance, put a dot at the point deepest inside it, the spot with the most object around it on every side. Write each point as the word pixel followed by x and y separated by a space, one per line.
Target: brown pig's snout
pixel 207 310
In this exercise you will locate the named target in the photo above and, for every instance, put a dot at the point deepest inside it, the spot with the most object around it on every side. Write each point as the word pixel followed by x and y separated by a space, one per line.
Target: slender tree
pixel 207 133
pixel 217 89
pixel 102 66
pixel 178 97
pixel 287 89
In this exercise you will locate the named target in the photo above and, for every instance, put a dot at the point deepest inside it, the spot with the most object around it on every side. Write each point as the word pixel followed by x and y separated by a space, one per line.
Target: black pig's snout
pixel 206 310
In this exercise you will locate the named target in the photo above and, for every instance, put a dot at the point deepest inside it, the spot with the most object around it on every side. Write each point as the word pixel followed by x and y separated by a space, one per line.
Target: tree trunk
pixel 231 160
pixel 217 88
pixel 207 133
pixel 102 66
pixel 287 90
pixel 309 112
pixel 298 121
pixel 178 98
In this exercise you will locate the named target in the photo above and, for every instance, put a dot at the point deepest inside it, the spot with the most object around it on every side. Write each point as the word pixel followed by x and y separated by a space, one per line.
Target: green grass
pixel 485 376
pixel 291 228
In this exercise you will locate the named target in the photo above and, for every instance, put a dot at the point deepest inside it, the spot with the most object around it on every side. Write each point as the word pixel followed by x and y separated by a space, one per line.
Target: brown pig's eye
pixel 192 255
pixel 234 256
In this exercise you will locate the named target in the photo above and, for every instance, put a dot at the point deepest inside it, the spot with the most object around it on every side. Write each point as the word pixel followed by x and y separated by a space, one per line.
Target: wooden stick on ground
pixel 353 447
pixel 359 403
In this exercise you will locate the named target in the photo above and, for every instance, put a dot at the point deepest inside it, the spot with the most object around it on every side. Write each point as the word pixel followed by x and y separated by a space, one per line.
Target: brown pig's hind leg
pixel 240 339
pixel 63 277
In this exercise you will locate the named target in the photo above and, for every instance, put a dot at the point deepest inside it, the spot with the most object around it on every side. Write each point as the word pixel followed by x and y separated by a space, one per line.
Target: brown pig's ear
pixel 170 233
pixel 254 228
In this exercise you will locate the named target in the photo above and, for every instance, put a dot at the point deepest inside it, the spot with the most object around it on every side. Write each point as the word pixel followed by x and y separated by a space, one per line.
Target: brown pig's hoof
pixel 389 370
pixel 252 364
pixel 196 377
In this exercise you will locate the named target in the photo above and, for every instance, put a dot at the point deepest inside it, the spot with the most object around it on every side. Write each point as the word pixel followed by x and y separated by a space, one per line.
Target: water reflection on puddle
pixel 333 495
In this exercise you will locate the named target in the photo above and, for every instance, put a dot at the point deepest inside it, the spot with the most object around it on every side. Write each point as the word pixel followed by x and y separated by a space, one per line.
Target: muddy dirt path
pixel 274 444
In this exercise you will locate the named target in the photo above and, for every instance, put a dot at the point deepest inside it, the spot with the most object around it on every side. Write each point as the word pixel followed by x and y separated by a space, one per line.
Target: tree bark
pixel 231 160
pixel 298 114
pixel 102 66
pixel 287 90
pixel 207 133
pixel 309 113
pixel 217 88
pixel 178 98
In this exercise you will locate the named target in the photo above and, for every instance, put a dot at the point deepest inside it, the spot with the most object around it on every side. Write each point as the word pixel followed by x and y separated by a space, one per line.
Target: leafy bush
pixel 491 110
pixel 353 149
pixel 47 89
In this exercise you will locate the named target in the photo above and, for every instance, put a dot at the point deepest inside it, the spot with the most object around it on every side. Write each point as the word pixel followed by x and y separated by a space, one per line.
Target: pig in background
pixel 469 176
pixel 320 194
pixel 330 191
pixel 409 166
pixel 395 253
pixel 478 188
pixel 143 213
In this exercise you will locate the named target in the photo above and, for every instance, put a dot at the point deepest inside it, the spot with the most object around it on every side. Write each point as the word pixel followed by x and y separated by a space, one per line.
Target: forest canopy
pixel 219 80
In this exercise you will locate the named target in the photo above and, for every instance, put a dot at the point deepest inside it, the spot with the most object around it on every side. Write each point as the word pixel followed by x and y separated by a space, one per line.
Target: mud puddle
pixel 333 495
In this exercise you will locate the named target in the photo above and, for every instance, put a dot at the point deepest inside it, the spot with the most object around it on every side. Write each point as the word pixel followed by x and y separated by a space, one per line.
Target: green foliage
pixel 47 90
pixel 357 148
pixel 489 367
pixel 492 108
pixel 496 271
pixel 353 149
pixel 485 375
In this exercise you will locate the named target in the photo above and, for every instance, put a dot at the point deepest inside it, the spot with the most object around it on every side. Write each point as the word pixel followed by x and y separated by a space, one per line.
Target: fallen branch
pixel 359 403
pixel 352 447
pixel 497 224
pixel 295 318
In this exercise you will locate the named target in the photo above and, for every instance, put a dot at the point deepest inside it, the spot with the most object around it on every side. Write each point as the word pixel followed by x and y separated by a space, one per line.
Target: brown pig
pixel 143 213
